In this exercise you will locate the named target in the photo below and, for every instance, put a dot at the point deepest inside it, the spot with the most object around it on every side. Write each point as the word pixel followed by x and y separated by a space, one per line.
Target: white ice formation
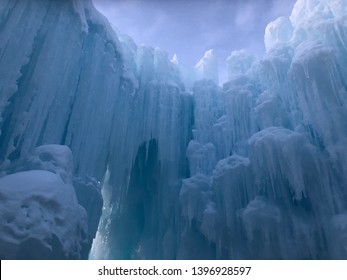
pixel 207 67
pixel 40 217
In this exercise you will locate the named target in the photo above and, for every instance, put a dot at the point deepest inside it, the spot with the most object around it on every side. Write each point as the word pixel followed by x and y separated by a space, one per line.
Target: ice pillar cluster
pixel 268 156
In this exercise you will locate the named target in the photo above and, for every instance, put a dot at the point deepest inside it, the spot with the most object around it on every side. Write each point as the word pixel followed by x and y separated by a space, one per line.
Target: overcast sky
pixel 190 27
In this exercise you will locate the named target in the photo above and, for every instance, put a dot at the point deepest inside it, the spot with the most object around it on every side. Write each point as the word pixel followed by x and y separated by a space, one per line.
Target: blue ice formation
pixel 188 169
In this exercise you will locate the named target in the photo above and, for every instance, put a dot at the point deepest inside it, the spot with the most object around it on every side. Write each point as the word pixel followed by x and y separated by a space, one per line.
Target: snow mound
pixel 40 217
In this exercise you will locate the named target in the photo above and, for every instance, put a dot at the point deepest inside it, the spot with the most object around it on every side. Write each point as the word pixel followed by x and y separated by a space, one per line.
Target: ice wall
pixel 49 85
pixel 66 78
pixel 278 188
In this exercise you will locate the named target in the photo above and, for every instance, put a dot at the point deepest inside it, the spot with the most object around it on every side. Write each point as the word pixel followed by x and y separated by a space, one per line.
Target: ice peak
pixel 207 67
pixel 174 59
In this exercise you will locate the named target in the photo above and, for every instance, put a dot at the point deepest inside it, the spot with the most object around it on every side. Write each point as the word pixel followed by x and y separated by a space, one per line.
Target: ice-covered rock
pixel 54 158
pixel 40 218
pixel 58 160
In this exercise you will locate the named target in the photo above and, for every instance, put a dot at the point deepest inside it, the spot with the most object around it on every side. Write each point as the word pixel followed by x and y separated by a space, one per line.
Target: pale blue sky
pixel 190 27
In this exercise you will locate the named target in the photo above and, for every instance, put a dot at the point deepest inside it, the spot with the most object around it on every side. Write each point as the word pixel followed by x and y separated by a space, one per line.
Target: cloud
pixel 245 15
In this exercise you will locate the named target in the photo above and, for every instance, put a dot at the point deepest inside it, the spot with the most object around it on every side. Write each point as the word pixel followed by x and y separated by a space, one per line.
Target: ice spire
pixel 207 67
